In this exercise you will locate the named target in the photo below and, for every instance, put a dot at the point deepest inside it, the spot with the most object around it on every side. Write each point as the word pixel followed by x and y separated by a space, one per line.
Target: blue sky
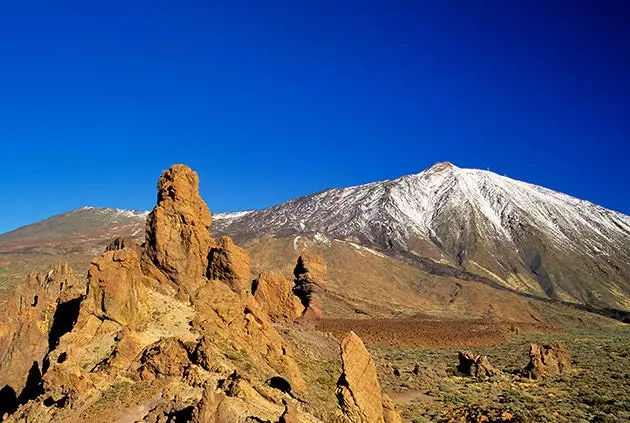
pixel 269 100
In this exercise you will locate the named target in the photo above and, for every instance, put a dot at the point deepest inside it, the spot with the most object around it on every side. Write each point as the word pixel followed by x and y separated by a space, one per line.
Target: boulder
pixel 274 294
pixel 310 284
pixel 475 365
pixel 167 357
pixel 177 238
pixel 389 413
pixel 115 288
pixel 358 389
pixel 229 263
pixel 547 361
pixel 120 243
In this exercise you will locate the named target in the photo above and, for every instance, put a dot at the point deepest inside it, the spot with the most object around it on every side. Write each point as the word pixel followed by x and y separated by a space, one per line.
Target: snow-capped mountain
pixel 522 236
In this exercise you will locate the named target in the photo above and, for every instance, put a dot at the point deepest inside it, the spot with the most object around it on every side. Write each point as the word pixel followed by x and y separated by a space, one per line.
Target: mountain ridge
pixel 469 223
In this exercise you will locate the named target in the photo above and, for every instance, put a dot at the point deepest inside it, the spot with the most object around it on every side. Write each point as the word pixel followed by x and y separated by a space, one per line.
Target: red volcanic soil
pixel 427 333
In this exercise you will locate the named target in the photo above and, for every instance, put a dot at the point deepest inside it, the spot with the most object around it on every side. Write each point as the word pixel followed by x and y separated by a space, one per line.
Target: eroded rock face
pixel 547 361
pixel 138 350
pixel 120 243
pixel 41 310
pixel 240 322
pixel 229 263
pixel 115 286
pixel 177 231
pixel 213 408
pixel 389 413
pixel 167 357
pixel 274 294
pixel 289 415
pixel 475 365
pixel 358 389
pixel 310 284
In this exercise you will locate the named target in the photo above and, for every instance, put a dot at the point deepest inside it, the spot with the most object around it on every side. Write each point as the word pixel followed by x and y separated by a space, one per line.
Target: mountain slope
pixel 87 224
pixel 73 237
pixel 469 222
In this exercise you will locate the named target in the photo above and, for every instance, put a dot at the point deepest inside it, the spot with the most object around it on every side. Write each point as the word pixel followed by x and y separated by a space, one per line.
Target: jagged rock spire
pixel 177 231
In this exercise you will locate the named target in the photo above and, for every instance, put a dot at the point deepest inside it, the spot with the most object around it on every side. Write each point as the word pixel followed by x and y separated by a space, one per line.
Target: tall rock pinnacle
pixel 177 230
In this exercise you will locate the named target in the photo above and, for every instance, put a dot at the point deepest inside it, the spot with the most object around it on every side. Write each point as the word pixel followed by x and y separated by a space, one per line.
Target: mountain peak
pixel 440 166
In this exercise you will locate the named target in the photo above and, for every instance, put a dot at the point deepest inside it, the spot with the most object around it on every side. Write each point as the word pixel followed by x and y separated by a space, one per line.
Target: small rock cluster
pixel 475 365
pixel 547 361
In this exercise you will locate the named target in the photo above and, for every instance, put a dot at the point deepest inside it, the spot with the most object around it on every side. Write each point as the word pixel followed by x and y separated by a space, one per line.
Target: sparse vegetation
pixel 595 390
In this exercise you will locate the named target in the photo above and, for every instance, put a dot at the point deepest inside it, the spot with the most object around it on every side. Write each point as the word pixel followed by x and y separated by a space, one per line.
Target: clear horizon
pixel 269 102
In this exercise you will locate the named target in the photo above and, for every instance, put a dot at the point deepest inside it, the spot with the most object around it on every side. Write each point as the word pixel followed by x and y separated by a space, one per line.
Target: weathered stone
pixel 475 365
pixel 177 231
pixel 547 361
pixel 290 414
pixel 115 286
pixel 167 357
pixel 358 389
pixel 310 284
pixel 274 294
pixel 39 312
pixel 213 408
pixel 229 263
pixel 120 243
pixel 389 413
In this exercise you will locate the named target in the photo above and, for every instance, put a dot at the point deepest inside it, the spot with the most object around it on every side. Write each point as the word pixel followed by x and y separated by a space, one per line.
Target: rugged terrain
pixel 471 224
pixel 76 236
pixel 173 324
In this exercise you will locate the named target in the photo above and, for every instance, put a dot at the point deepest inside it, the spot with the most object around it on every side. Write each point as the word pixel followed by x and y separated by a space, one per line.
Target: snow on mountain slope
pixel 519 235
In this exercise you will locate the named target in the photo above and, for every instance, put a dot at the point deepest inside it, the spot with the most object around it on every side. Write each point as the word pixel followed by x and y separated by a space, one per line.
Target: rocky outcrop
pixel 167 357
pixel 358 389
pixel 310 284
pixel 120 243
pixel 239 322
pixel 213 408
pixel 274 294
pixel 475 365
pixel 153 339
pixel 115 286
pixel 41 310
pixel 177 237
pixel 289 415
pixel 547 361
pixel 389 413
pixel 229 263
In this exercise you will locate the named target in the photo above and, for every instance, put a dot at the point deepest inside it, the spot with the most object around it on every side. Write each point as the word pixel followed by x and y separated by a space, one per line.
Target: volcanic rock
pixel 358 389
pixel 40 311
pixel 310 284
pixel 475 365
pixel 229 263
pixel 177 230
pixel 213 408
pixel 274 294
pixel 389 413
pixel 167 357
pixel 115 286
pixel 547 361
pixel 289 415
pixel 239 321
pixel 134 348
pixel 120 243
